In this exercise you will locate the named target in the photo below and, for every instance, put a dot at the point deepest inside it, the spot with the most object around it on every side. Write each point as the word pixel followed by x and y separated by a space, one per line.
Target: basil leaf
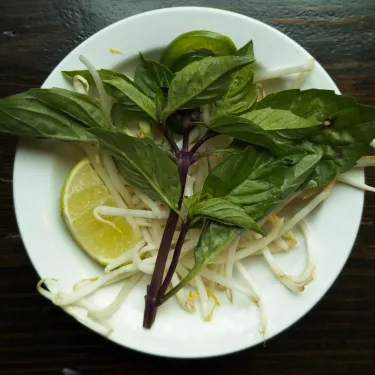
pixel 314 104
pixel 256 181
pixel 235 170
pixel 270 128
pixel 350 127
pixel 78 106
pixel 251 179
pixel 336 159
pixel 247 50
pixel 151 76
pixel 282 123
pixel 70 74
pixel 123 118
pixel 123 90
pixel 212 93
pixel 236 146
pixel 191 57
pixel 337 149
pixel 197 77
pixel 104 74
pixel 143 164
pixel 247 131
pixel 241 94
pixel 215 238
pixel 223 211
pixel 344 119
pixel 278 119
pixel 299 172
pixel 25 116
pixel 109 75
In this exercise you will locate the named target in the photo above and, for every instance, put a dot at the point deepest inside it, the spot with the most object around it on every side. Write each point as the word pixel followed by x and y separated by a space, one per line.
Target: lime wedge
pixel 194 46
pixel 102 240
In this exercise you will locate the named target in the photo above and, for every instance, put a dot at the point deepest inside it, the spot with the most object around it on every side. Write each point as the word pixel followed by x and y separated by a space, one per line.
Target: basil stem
pixel 176 255
pixel 157 276
pixel 153 289
pixel 184 159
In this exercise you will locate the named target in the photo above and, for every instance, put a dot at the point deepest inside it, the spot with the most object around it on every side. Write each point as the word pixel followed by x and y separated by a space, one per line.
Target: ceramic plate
pixel 41 168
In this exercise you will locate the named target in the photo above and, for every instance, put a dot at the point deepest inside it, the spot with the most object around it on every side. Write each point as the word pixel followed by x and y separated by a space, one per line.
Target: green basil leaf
pixel 247 50
pixel 350 127
pixel 124 119
pixel 25 116
pixel 255 180
pixel 283 123
pixel 337 149
pixel 274 129
pixel 197 77
pixel 336 159
pixel 241 94
pixel 160 102
pixel 236 146
pixel 300 171
pixel 345 120
pixel 279 120
pixel 313 104
pixel 104 74
pixel 151 76
pixel 240 97
pixel 223 211
pixel 123 90
pixel 70 74
pixel 78 106
pixel 191 57
pixel 212 93
pixel 236 169
pixel 215 238
pixel 109 75
pixel 247 131
pixel 251 179
pixel 143 164
pixel 192 201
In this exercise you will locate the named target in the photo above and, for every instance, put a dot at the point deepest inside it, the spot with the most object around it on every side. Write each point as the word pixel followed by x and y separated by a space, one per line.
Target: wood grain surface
pixel 336 337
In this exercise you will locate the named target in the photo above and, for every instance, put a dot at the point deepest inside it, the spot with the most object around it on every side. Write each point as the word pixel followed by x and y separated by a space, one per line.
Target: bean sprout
pixel 115 305
pixel 301 77
pixel 230 263
pixel 115 211
pixel 349 180
pixel 80 84
pixel 246 275
pixel 98 82
pixel 266 75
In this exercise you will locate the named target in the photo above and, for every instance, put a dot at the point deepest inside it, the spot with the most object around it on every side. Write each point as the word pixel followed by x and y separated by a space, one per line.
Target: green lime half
pixel 103 240
pixel 194 46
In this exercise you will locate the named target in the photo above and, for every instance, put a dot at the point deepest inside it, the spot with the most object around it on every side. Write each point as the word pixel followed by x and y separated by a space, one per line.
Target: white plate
pixel 40 169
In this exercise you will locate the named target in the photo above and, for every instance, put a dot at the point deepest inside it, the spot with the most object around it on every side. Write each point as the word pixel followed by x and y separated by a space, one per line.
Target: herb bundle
pixel 285 143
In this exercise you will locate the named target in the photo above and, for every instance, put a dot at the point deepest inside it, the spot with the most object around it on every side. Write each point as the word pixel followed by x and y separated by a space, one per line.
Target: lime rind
pixel 82 191
pixel 202 43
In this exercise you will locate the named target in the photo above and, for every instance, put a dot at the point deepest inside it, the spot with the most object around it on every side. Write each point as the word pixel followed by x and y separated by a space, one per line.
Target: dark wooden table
pixel 337 337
